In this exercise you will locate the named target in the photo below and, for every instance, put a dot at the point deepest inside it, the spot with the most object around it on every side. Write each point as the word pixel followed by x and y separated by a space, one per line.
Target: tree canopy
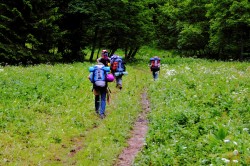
pixel 38 31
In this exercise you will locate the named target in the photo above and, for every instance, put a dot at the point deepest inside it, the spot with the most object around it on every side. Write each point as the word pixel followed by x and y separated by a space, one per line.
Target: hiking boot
pixel 102 116
pixel 96 111
pixel 119 86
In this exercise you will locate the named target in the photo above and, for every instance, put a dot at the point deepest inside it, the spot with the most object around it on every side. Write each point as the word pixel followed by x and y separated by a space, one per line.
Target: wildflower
pixel 226 140
pixel 225 160
pixel 235 161
pixel 245 129
pixel 170 72
pixel 235 143
pixel 235 152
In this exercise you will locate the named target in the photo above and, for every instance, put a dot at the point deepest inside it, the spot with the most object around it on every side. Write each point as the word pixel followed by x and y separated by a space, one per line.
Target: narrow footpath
pixel 138 134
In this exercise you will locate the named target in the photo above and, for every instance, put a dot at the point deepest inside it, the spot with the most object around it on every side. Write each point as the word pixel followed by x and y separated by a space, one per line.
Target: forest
pixel 42 31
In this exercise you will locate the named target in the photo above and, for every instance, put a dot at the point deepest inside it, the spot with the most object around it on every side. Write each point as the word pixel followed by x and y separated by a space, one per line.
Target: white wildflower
pixel 235 143
pixel 235 152
pixel 164 65
pixel 170 72
pixel 226 140
pixel 235 93
pixel 225 160
pixel 245 129
pixel 184 147
pixel 232 77
pixel 235 161
pixel 204 161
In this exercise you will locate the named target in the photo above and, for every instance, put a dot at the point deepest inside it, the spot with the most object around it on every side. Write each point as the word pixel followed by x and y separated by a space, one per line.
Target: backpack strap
pixel 95 67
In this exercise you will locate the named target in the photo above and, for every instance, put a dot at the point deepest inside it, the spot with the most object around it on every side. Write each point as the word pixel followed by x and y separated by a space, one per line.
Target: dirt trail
pixel 136 141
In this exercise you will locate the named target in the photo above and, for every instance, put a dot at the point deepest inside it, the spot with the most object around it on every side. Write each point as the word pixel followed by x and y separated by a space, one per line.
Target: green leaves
pixel 221 133
pixel 227 27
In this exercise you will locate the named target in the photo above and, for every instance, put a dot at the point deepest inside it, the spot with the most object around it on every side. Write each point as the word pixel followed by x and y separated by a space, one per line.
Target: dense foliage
pixel 205 28
pixel 48 30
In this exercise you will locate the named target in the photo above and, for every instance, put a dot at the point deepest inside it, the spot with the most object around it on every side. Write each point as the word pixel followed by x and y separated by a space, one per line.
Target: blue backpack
pixel 117 64
pixel 155 63
pixel 98 75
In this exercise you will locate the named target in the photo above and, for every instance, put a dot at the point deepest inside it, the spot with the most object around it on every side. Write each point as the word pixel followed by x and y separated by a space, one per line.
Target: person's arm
pixel 90 77
pixel 98 60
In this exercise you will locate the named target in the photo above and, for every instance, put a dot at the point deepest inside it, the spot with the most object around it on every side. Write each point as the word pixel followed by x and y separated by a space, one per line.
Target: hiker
pixel 155 66
pixel 99 77
pixel 118 69
pixel 104 58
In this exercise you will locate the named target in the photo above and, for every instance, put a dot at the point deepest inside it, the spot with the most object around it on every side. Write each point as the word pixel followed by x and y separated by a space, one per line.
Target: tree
pixel 132 27
pixel 12 32
pixel 182 25
pixel 229 27
pixel 30 32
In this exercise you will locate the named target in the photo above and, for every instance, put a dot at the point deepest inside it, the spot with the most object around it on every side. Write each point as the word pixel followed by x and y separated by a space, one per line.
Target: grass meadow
pixel 47 116
pixel 200 114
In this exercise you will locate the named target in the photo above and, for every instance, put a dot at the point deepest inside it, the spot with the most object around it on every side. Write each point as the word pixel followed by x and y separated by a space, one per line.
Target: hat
pixel 104 51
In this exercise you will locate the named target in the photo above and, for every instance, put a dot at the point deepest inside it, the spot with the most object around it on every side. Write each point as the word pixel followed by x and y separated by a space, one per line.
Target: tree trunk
pixel 94 44
pixel 241 47
pixel 134 52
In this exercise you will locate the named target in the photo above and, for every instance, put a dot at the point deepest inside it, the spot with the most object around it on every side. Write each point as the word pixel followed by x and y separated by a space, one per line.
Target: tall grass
pixel 200 115
pixel 48 118
pixel 42 107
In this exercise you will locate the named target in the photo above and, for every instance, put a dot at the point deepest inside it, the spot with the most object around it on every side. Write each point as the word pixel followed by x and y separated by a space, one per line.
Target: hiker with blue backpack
pixel 100 76
pixel 118 69
pixel 155 66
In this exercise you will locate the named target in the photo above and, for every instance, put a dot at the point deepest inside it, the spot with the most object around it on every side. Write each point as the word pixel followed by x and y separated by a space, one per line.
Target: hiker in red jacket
pixel 104 58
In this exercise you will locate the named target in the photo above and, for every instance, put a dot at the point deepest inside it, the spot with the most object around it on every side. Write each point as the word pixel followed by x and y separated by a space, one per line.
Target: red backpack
pixel 155 64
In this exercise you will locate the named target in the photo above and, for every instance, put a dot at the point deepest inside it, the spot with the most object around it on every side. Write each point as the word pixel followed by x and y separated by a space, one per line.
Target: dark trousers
pixel 100 99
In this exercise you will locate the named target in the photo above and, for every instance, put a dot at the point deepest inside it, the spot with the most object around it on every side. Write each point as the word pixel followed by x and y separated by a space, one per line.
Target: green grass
pixel 199 114
pixel 48 111
pixel 43 107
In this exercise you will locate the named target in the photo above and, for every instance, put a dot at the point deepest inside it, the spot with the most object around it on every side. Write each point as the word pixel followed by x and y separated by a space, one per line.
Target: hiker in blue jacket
pixel 100 87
